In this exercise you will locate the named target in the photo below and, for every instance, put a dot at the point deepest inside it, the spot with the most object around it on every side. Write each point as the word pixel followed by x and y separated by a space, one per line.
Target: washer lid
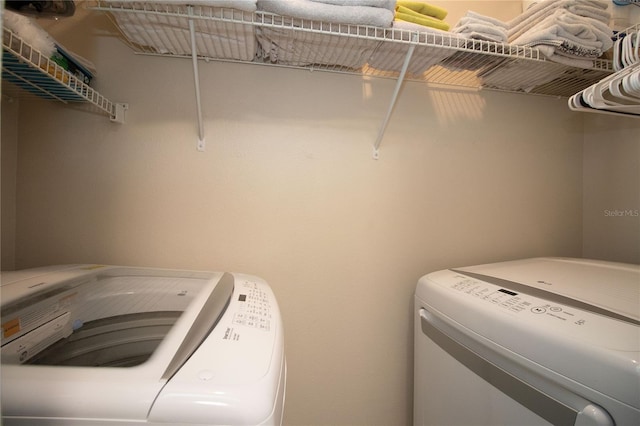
pixel 111 304
pixel 606 288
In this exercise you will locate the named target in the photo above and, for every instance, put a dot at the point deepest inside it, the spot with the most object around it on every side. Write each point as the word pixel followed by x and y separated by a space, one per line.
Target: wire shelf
pixel 264 38
pixel 28 69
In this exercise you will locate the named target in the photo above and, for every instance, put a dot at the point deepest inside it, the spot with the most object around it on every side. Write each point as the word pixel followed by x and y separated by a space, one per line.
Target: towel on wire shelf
pixel 386 4
pixel 571 32
pixel 327 12
pixel 568 38
pixel 171 34
pixel 476 26
pixel 244 5
pixel 283 46
pixel 594 9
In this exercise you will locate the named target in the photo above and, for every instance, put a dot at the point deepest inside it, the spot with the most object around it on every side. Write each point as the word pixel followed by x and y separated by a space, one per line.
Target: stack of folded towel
pixel 304 48
pixel 171 34
pixel 244 5
pixel 573 32
pixel 421 13
pixel 476 26
pixel 377 13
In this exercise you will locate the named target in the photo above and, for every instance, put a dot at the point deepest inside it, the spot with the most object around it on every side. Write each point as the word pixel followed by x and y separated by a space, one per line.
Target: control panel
pixel 516 302
pixel 254 307
pixel 477 303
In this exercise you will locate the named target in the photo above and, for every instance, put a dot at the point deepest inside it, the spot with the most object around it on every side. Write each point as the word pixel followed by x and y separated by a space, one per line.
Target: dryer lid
pixel 608 288
pixel 577 318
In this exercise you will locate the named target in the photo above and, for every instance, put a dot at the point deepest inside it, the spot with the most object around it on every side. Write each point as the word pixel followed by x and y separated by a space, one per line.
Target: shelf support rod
pixel 396 91
pixel 196 79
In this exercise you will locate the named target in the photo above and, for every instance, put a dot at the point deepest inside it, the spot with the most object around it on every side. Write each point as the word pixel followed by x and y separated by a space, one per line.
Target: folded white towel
pixel 546 5
pixel 481 31
pixel 300 49
pixel 565 26
pixel 554 54
pixel 568 38
pixel 568 49
pixel 476 26
pixel 595 9
pixel 471 15
pixel 172 35
pixel 307 9
pixel 244 5
pixel 386 4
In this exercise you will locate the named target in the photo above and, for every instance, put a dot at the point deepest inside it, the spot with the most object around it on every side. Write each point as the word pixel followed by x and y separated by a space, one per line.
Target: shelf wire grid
pixel 265 38
pixel 32 73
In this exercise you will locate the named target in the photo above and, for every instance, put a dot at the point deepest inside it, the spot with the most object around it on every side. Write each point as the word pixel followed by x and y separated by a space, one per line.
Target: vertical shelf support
pixel 194 58
pixel 396 91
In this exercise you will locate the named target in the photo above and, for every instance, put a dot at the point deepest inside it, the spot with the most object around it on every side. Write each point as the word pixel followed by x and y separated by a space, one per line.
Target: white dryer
pixel 529 342
pixel 103 345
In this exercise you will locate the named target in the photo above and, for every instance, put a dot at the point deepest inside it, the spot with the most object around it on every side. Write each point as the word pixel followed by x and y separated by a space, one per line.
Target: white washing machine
pixel 104 345
pixel 530 342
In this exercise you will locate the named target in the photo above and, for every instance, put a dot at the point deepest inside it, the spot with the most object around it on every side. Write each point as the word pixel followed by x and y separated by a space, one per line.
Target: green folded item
pixel 423 8
pixel 407 15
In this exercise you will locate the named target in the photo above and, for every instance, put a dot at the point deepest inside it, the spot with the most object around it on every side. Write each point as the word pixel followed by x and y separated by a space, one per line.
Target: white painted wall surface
pixel 611 184
pixel 287 190
pixel 9 157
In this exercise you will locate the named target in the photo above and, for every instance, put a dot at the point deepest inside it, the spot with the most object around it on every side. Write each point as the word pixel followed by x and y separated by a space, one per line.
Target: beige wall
pixel 611 183
pixel 9 157
pixel 287 190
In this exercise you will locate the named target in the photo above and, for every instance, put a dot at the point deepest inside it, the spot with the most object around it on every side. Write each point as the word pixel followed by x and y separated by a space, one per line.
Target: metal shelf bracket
pixel 119 112
pixel 394 97
pixel 201 146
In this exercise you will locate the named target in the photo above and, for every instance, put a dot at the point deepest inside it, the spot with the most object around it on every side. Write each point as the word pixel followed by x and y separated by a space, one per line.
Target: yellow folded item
pixel 440 25
pixel 423 8
pixel 404 14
